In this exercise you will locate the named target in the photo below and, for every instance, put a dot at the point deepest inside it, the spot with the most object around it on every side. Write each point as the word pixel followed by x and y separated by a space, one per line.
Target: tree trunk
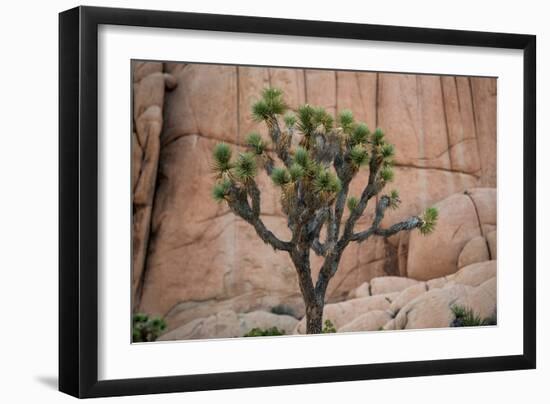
pixel 314 318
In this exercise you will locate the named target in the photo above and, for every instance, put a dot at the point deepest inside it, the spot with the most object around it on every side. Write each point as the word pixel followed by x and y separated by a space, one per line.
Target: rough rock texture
pixel 370 321
pixel 149 83
pixel 389 284
pixel 343 313
pixel 475 250
pixel 197 257
pixel 362 290
pixel 462 217
pixel 228 324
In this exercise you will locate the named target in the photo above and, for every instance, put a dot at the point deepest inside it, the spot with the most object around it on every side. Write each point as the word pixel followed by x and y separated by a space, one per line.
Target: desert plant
pixel 314 178
pixel 465 317
pixel 329 328
pixel 259 332
pixel 145 329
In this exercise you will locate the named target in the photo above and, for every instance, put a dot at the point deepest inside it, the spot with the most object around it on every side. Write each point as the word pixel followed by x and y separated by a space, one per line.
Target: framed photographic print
pixel 250 201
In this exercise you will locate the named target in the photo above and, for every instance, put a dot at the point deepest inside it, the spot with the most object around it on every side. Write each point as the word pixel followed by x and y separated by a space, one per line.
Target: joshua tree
pixel 319 156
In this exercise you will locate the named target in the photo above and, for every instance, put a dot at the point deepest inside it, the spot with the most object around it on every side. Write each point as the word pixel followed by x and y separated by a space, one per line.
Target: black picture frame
pixel 78 200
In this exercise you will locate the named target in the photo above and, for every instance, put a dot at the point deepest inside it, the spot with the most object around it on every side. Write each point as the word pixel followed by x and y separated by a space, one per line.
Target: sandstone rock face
pixel 345 312
pixel 412 292
pixel 149 83
pixel 475 274
pixel 193 259
pixel 389 284
pixel 228 324
pixel 475 250
pixel 433 309
pixel 462 217
pixel 370 321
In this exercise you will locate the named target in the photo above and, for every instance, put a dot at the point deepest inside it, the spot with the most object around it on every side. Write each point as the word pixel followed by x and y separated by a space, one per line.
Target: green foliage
pixel 378 136
pixel 283 310
pixel 245 167
pixel 352 203
pixel 358 156
pixel 296 172
pixel 346 120
pixel 145 329
pixel 387 151
pixel 429 220
pixel 465 317
pixel 305 119
pixel 326 182
pixel 360 134
pixel 259 332
pixel 221 189
pixel 394 199
pixel 322 119
pixel 386 173
pixel 328 328
pixel 301 157
pixel 280 176
pixel 256 143
pixel 222 158
pixel 269 105
pixel 290 120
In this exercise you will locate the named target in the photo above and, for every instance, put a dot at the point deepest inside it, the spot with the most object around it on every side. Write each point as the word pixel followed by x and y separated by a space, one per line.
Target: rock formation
pixel 193 260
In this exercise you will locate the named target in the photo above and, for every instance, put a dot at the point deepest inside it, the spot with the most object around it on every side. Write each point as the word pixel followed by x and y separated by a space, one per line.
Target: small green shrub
pixel 283 309
pixel 145 329
pixel 465 317
pixel 268 332
pixel 329 328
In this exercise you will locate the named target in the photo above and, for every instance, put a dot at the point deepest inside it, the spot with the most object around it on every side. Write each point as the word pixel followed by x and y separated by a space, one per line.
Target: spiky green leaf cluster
pixel 326 182
pixel 311 119
pixel 269 105
pixel 387 174
pixel 301 157
pixel 268 332
pixel 221 190
pixel 387 151
pixel 296 172
pixel 280 176
pixel 352 203
pixel 222 158
pixel 145 329
pixel 256 143
pixel 290 120
pixel 322 120
pixel 466 317
pixel 328 327
pixel 429 220
pixel 378 136
pixel 245 167
pixel 360 134
pixel 358 156
pixel 346 121
pixel 394 199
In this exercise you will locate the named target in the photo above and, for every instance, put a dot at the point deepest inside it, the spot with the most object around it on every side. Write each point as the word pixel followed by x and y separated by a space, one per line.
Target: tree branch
pixel 411 223
pixel 238 203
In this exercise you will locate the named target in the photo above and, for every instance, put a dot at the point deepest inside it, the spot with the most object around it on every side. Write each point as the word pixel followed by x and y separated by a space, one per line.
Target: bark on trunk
pixel 314 318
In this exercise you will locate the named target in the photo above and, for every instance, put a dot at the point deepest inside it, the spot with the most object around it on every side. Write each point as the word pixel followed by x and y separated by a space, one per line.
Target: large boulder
pixel 370 321
pixel 390 284
pixel 434 309
pixel 475 274
pixel 462 217
pixel 345 312
pixel 228 324
pixel 475 250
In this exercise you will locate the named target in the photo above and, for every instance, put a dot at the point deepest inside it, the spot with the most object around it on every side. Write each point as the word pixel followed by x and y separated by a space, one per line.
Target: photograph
pixel 285 201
